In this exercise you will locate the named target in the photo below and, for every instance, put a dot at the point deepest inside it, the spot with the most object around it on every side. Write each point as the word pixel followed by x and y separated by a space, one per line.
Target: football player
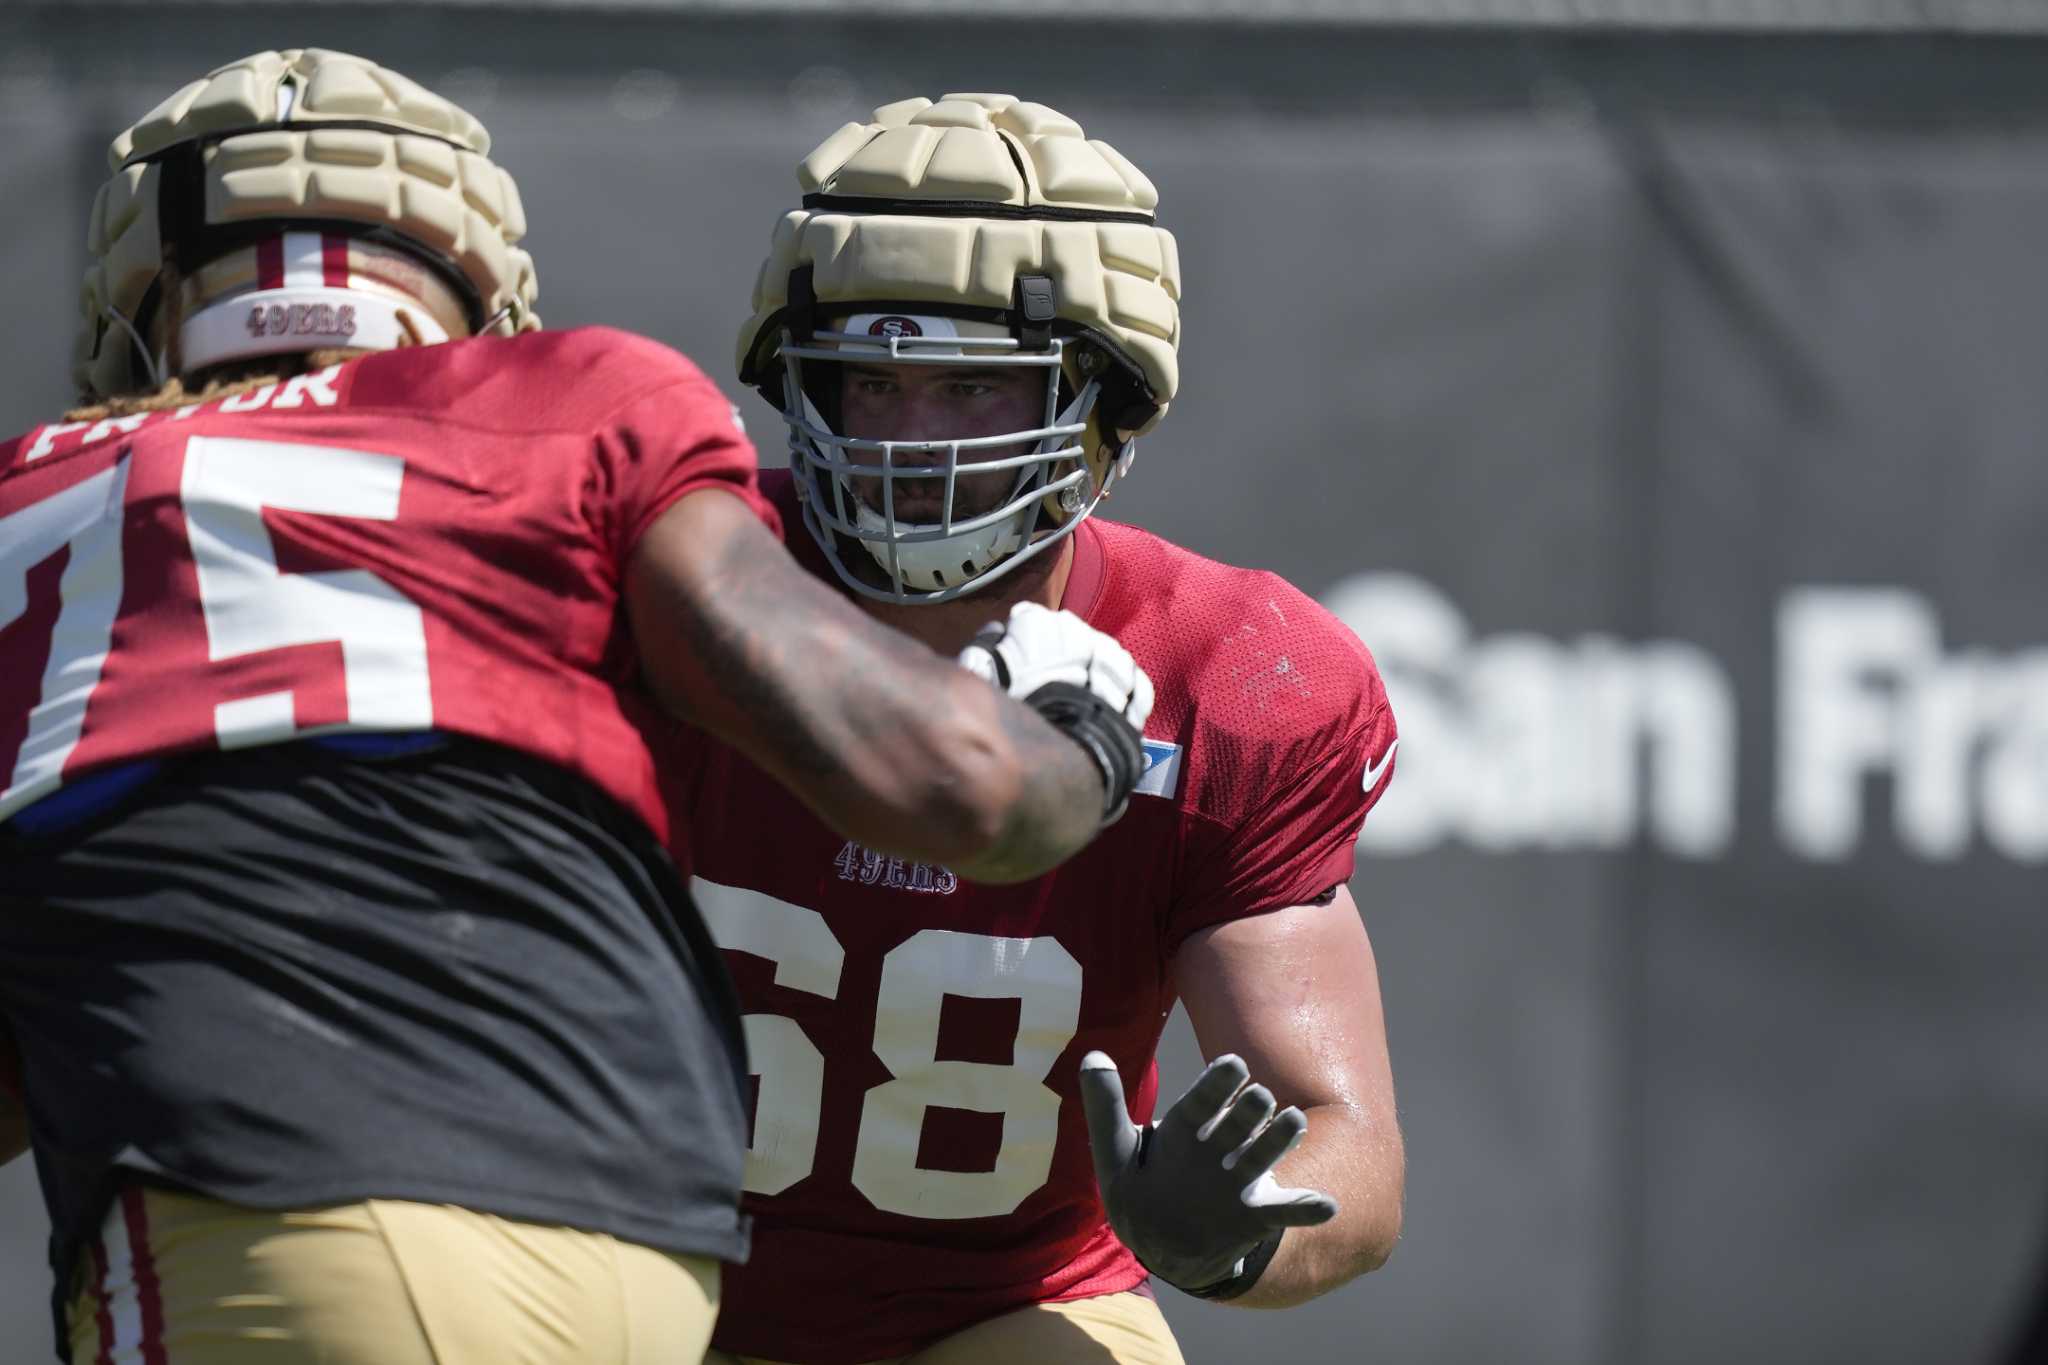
pixel 361 1015
pixel 966 323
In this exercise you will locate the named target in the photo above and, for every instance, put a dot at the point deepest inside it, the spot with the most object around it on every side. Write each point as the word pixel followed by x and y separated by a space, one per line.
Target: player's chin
pixel 932 511
pixel 928 505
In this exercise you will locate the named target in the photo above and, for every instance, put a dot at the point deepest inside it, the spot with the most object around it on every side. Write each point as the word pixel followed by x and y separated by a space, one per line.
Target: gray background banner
pixel 1666 413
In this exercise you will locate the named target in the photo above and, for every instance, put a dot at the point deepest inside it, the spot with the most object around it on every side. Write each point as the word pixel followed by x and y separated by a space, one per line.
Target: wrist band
pixel 1110 740
pixel 1252 1265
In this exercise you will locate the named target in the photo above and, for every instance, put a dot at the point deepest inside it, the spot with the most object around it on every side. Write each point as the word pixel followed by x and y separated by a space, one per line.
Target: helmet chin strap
pixel 301 318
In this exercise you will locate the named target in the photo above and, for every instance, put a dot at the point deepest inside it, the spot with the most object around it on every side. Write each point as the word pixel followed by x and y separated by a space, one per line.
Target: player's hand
pixel 1082 681
pixel 1192 1193
pixel 1038 647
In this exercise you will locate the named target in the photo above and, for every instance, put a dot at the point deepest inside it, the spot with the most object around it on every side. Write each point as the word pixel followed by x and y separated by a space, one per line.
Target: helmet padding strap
pixel 802 315
pixel 181 200
pixel 1034 306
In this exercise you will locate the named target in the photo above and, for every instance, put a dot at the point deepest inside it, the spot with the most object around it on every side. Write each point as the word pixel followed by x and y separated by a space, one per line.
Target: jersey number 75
pixel 248 605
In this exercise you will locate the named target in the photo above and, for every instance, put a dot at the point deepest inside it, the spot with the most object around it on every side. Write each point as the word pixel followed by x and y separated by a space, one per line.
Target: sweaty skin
pixel 1295 993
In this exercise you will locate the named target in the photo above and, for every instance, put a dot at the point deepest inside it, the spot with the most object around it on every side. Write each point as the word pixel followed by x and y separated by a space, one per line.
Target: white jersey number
pixel 87 518
pixel 917 975
pixel 249 605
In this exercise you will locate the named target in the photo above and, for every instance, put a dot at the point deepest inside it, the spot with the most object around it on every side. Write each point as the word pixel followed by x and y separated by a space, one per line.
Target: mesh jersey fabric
pixel 418 539
pixel 920 1160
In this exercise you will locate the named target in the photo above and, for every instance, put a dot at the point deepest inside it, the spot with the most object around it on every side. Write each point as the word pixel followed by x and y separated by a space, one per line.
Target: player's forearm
pixel 1348 1156
pixel 888 742
pixel 1056 811
pixel 1295 993
pixel 1025 795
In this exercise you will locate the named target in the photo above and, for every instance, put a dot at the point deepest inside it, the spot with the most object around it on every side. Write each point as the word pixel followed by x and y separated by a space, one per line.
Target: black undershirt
pixel 290 977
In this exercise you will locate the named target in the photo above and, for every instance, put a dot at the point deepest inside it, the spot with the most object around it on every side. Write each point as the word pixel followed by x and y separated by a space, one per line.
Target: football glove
pixel 1192 1194
pixel 1082 681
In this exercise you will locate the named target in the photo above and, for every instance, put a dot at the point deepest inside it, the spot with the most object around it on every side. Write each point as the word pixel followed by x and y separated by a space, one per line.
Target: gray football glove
pixel 1192 1193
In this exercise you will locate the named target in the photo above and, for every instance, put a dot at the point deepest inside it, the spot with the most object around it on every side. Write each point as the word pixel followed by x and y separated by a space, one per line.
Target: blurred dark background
pixel 1657 387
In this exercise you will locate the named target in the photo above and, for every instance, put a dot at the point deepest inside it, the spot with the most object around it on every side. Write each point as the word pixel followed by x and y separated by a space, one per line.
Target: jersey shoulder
pixel 1254 678
pixel 567 380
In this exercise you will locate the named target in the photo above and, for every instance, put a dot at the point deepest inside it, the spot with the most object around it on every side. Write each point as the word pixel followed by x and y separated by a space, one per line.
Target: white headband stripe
pixel 303 260
pixel 276 321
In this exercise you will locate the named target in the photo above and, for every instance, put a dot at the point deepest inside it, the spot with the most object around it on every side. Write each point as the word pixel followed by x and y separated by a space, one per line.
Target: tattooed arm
pixel 889 743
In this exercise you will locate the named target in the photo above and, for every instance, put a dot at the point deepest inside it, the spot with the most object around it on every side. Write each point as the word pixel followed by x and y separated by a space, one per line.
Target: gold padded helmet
pixel 285 187
pixel 977 230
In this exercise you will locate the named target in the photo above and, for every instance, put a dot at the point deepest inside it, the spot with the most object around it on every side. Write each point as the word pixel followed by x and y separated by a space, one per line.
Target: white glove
pixel 1038 645
pixel 1082 681
pixel 1192 1194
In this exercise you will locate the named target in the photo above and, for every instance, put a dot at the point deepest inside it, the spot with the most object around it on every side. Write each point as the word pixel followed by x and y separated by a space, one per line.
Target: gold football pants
pixel 1129 1327
pixel 184 1280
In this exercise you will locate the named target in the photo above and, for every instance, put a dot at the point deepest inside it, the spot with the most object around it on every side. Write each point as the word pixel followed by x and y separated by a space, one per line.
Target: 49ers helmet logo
pixel 303 319
pixel 894 326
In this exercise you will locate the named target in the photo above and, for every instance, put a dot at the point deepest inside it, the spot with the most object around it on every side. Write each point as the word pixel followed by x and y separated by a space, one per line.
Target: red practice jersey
pixel 919 1158
pixel 414 540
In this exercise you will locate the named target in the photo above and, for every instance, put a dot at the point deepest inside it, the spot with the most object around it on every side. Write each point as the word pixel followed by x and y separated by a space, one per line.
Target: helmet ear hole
pixel 1125 404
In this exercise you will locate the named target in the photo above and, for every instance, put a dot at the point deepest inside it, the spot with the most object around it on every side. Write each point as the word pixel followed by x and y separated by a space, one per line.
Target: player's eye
pixel 874 386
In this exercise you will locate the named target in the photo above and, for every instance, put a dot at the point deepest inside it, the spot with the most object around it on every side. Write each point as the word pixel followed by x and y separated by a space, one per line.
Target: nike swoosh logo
pixel 1375 771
